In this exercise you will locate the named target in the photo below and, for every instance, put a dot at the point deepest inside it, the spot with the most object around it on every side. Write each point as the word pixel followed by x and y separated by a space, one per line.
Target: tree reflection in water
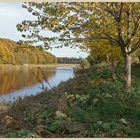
pixel 14 79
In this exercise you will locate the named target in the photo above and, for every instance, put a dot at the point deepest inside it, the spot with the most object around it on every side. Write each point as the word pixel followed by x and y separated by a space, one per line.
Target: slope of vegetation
pixel 90 105
pixel 14 53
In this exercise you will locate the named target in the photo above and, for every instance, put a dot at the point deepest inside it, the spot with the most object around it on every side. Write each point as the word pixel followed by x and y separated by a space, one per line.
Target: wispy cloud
pixel 10 15
pixel 7 10
pixel 13 10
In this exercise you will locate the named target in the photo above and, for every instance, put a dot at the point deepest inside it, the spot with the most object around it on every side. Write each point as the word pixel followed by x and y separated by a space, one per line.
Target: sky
pixel 12 13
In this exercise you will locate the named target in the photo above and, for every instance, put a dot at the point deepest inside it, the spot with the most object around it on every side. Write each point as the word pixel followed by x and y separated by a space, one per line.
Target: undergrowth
pixel 90 105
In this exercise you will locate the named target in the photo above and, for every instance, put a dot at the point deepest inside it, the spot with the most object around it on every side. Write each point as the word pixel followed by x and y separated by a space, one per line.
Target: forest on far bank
pixel 13 53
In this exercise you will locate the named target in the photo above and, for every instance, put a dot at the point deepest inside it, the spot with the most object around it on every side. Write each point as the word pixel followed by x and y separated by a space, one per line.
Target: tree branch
pixel 135 48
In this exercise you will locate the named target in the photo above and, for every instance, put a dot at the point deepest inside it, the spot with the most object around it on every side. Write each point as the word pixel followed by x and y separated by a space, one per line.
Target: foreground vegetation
pixel 90 105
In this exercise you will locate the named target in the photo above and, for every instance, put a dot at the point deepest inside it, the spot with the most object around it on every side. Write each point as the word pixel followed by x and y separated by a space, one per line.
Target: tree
pixel 3 55
pixel 80 22
pixel 104 51
pixel 124 18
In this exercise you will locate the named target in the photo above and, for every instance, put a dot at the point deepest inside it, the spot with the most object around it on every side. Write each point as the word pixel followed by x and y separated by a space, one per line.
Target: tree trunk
pixel 108 62
pixel 127 61
pixel 113 69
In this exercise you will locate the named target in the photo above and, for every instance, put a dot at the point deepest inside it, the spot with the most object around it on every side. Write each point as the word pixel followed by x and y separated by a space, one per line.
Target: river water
pixel 23 82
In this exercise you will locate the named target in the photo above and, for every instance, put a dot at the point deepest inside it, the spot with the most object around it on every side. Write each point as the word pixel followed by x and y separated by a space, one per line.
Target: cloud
pixel 9 11
pixel 11 14
pixel 13 10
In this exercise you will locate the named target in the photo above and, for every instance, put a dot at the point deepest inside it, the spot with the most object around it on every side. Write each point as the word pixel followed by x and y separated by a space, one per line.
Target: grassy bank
pixel 89 105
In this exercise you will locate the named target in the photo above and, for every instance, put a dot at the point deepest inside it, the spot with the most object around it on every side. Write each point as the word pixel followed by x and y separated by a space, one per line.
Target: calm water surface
pixel 22 82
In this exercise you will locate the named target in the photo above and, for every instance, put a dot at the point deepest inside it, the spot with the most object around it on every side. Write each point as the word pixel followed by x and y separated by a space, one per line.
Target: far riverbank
pixel 41 65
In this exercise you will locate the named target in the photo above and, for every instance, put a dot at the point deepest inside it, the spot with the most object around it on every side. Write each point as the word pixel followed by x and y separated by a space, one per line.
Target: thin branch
pixel 111 38
pixel 135 48
pixel 128 40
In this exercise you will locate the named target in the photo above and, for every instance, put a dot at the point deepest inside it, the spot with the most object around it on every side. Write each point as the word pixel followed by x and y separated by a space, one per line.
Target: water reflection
pixel 25 82
pixel 13 79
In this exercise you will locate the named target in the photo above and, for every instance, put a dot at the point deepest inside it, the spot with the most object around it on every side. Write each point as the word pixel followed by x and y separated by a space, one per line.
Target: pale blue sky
pixel 11 14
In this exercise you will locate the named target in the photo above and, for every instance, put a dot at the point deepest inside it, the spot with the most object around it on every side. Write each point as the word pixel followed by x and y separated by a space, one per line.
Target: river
pixel 28 81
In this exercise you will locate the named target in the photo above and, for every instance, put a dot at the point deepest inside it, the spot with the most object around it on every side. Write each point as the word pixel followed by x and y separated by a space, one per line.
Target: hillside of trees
pixel 14 53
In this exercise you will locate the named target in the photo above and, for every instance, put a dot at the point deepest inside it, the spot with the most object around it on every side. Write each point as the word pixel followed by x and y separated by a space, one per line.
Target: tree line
pixel 69 60
pixel 14 53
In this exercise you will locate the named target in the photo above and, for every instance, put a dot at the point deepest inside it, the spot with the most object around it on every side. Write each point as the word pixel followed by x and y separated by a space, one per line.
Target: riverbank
pixel 35 66
pixel 89 105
